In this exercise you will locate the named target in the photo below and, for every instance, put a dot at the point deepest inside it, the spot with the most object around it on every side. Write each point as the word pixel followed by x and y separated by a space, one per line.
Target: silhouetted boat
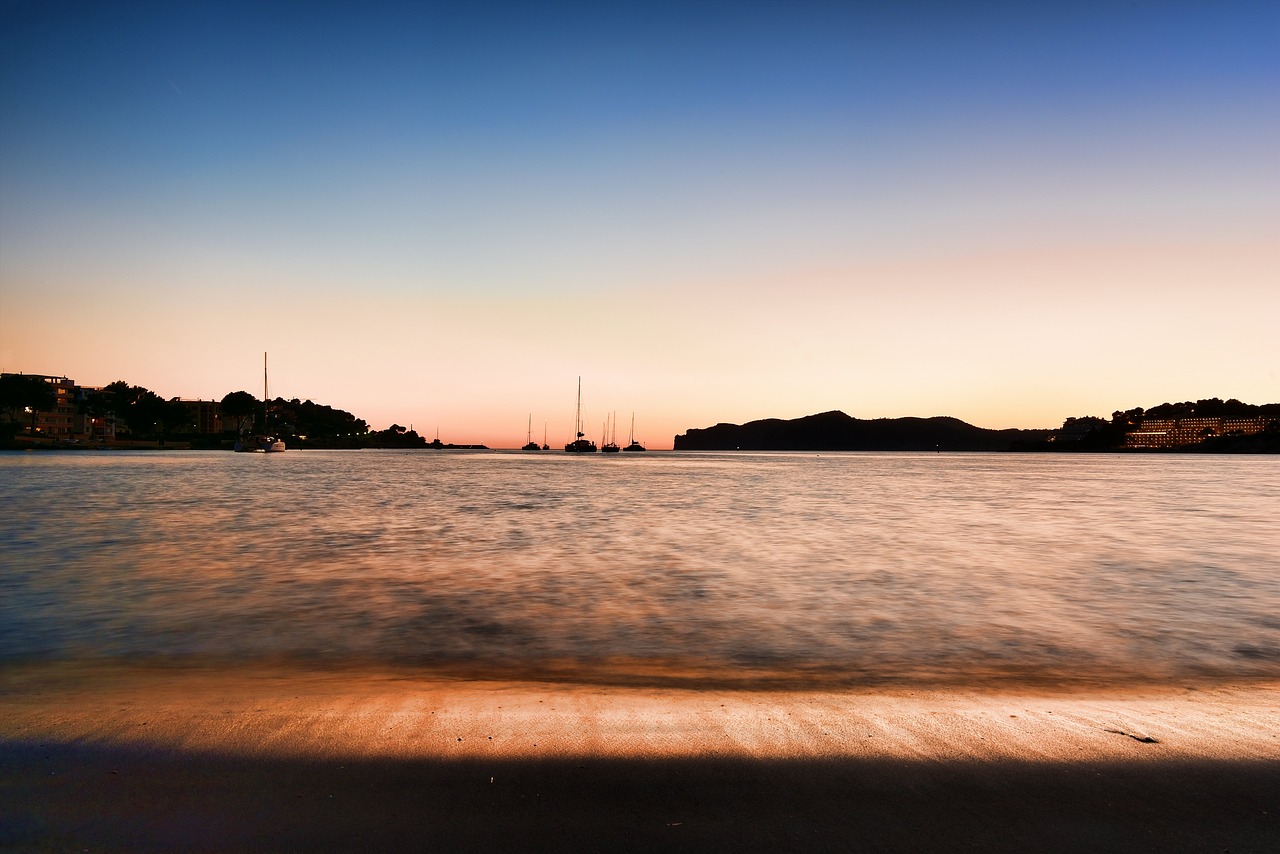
pixel 261 443
pixel 634 445
pixel 579 445
pixel 530 445
pixel 607 443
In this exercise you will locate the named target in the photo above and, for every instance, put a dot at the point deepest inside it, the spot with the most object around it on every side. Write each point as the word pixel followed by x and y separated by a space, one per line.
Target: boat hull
pixel 260 445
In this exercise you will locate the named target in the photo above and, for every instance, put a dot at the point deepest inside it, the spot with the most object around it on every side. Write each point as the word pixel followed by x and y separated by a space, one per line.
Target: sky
pixel 443 214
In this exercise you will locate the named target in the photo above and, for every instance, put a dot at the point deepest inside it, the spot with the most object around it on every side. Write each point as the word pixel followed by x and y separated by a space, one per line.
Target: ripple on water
pixel 717 568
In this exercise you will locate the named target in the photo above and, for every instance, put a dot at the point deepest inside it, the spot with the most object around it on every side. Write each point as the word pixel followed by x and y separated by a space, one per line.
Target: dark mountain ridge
pixel 836 431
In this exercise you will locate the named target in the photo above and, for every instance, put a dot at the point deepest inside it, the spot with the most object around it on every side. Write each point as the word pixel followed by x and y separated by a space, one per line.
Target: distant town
pixel 39 410
pixel 46 411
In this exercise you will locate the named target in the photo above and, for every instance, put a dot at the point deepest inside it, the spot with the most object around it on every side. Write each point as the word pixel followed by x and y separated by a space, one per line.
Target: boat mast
pixel 577 415
pixel 264 391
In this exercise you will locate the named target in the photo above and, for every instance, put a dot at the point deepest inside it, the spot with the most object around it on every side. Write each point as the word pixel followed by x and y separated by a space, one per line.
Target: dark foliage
pixel 396 436
pixel 305 424
pixel 19 393
pixel 240 406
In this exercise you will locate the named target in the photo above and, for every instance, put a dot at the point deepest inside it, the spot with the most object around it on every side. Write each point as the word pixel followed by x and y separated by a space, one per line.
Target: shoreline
pixel 1140 452
pixel 265 710
pixel 264 759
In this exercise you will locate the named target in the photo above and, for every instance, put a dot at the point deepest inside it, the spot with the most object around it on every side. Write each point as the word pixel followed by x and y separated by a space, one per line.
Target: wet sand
pixel 268 760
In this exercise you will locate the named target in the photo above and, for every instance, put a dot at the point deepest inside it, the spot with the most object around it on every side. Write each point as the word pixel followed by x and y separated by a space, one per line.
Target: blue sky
pixel 692 205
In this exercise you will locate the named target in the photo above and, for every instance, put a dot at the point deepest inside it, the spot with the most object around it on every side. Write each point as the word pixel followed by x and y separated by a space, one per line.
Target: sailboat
pixel 545 446
pixel 530 445
pixel 262 442
pixel 579 445
pixel 634 446
pixel 610 446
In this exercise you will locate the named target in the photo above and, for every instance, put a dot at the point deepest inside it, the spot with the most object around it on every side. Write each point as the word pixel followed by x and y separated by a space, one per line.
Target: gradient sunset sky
pixel 441 214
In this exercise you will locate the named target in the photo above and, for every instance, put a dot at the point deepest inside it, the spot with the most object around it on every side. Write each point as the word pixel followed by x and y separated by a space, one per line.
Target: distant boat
pixel 261 443
pixel 579 445
pixel 531 445
pixel 634 446
pixel 545 446
pixel 610 446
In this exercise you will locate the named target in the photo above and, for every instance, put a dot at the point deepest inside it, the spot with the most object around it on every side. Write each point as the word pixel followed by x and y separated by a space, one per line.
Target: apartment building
pixel 1155 433
pixel 206 415
pixel 61 421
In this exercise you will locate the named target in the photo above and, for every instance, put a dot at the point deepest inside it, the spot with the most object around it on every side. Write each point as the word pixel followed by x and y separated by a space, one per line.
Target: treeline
pixel 396 436
pixel 136 409
pixel 124 410
pixel 140 410
pixel 139 413
pixel 301 423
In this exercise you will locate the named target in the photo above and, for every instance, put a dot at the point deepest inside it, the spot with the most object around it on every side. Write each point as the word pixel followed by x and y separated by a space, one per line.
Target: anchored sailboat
pixel 530 445
pixel 610 446
pixel 262 442
pixel 634 445
pixel 579 445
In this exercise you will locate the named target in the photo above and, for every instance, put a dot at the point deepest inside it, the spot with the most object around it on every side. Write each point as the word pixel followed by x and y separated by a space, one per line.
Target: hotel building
pixel 1156 433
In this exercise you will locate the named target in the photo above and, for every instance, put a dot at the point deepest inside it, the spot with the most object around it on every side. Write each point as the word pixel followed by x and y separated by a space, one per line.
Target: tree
pixel 141 410
pixel 146 415
pixel 117 399
pixel 396 436
pixel 176 417
pixel 93 405
pixel 20 393
pixel 242 406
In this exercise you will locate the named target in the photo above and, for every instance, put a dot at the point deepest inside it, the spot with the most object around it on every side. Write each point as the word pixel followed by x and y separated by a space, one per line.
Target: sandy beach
pixel 111 758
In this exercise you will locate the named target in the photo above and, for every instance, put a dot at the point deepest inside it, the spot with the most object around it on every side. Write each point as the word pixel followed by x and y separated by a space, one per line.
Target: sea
pixel 751 570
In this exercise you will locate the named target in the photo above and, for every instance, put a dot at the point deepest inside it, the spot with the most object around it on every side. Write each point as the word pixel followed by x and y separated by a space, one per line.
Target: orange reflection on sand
pixel 274 712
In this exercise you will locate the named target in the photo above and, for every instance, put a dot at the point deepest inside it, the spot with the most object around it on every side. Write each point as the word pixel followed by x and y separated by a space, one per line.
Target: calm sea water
pixel 711 569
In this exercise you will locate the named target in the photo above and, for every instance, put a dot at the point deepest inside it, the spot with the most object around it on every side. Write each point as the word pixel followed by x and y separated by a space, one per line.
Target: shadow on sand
pixel 64 796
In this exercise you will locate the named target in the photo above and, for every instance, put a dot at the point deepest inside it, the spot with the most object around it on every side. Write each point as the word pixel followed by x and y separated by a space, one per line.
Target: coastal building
pixel 84 413
pixel 73 417
pixel 1157 433
pixel 206 415
pixel 61 421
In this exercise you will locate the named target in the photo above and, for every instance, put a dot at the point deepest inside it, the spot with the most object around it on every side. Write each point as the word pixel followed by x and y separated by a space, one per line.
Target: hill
pixel 836 431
